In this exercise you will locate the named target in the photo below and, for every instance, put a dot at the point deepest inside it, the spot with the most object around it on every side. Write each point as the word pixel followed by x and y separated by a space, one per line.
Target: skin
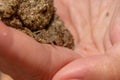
pixel 95 27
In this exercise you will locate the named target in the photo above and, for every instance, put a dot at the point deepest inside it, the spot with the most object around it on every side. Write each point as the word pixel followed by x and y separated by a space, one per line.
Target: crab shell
pixel 33 14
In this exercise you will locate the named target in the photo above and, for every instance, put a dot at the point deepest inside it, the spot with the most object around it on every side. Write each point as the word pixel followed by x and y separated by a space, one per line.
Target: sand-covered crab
pixel 38 19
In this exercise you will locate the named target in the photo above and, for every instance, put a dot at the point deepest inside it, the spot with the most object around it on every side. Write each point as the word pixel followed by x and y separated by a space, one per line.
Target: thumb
pixel 93 68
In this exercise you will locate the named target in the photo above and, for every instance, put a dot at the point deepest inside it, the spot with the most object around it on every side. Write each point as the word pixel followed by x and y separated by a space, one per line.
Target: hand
pixel 95 25
pixel 96 55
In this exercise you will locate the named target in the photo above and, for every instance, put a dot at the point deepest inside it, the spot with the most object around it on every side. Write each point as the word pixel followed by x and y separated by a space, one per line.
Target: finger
pixel 94 68
pixel 115 27
pixel 21 54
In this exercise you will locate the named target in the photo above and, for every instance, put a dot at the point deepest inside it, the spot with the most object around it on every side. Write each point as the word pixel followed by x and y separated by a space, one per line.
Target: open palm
pixel 90 22
pixel 95 27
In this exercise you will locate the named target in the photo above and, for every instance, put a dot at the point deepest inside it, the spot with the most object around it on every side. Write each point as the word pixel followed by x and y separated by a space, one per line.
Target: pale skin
pixel 95 26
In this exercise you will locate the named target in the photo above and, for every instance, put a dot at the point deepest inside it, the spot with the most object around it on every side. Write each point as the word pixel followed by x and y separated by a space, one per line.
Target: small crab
pixel 33 14
pixel 36 18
